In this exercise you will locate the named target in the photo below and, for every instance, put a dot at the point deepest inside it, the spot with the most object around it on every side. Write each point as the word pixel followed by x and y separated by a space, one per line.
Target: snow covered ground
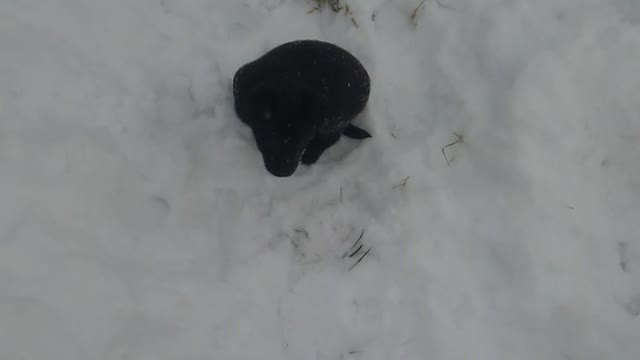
pixel 138 222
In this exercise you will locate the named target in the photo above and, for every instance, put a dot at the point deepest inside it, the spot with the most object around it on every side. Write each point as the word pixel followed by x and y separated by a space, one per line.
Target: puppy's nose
pixel 281 168
pixel 282 172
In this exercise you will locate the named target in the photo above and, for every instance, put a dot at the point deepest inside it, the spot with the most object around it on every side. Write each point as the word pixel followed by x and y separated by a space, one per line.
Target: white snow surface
pixel 137 220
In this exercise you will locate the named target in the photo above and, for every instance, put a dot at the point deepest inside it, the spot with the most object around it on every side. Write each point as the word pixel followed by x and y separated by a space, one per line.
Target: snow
pixel 138 222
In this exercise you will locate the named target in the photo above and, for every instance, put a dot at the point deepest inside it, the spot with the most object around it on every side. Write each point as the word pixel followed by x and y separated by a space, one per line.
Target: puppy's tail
pixel 355 132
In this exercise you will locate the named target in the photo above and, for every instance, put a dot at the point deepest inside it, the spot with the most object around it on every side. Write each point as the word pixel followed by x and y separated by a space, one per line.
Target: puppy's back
pixel 340 81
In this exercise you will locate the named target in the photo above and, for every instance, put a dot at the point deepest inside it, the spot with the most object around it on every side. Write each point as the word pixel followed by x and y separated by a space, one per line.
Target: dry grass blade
pixel 351 252
pixel 304 232
pixel 416 12
pixel 356 251
pixel 357 241
pixel 460 139
pixel 361 257
pixel 334 5
pixel 622 254
pixel 443 5
pixel 402 183
pixel 445 158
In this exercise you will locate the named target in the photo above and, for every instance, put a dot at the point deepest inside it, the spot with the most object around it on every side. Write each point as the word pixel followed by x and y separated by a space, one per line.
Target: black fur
pixel 298 99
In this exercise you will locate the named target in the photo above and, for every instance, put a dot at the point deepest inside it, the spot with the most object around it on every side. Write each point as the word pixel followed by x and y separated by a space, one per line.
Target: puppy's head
pixel 282 124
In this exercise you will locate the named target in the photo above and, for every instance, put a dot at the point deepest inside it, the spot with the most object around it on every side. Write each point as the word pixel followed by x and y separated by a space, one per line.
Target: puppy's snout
pixel 280 167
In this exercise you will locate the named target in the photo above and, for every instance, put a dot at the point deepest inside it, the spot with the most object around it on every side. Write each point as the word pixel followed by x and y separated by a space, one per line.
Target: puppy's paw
pixel 309 157
pixel 355 132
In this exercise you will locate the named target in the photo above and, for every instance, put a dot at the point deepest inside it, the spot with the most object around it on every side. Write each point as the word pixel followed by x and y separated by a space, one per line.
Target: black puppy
pixel 298 99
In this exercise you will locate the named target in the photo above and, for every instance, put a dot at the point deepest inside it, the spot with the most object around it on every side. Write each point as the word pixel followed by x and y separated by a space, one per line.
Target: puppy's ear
pixel 261 93
pixel 263 100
